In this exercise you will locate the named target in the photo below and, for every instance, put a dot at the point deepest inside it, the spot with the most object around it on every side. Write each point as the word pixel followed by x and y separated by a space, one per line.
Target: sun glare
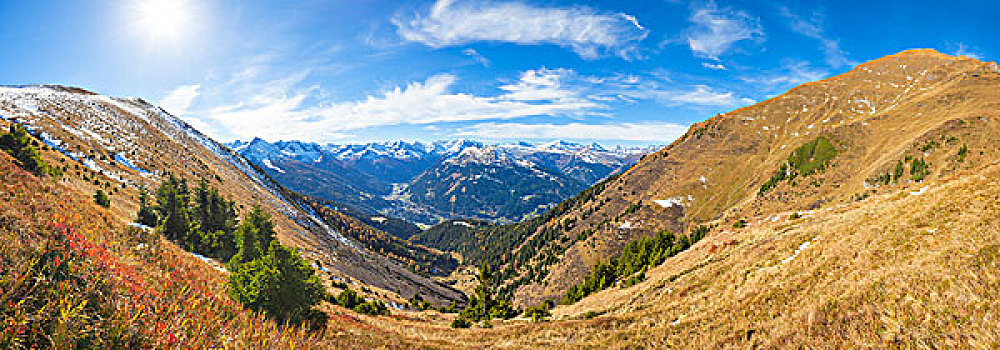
pixel 163 19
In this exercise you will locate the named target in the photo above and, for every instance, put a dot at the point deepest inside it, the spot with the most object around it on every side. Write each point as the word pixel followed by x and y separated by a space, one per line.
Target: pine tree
pixel 279 283
pixel 147 213
pixel 253 236
pixel 175 220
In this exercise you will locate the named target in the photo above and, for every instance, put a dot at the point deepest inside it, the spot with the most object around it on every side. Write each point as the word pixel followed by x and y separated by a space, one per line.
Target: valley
pixel 426 183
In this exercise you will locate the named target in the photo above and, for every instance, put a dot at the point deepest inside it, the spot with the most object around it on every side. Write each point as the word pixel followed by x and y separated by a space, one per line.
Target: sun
pixel 163 20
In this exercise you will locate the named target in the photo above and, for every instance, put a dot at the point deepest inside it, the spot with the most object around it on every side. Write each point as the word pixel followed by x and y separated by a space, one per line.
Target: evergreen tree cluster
pixel 637 257
pixel 917 168
pixel 264 275
pixel 484 305
pixel 201 221
pixel 351 300
pixel 539 313
pixel 808 159
pixel 19 144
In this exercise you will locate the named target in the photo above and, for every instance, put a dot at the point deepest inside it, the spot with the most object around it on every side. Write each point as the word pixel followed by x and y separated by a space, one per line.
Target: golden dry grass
pixel 910 269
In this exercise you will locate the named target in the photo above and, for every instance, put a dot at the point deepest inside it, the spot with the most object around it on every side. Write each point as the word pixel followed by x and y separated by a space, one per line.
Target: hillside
pixel 926 114
pixel 123 145
pixel 910 268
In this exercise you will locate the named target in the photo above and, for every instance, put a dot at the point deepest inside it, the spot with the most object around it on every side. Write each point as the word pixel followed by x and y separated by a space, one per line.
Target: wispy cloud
pixel 703 95
pixel 813 28
pixel 284 114
pixel 477 57
pixel 716 31
pixel 646 132
pixel 791 73
pixel 586 31
pixel 961 49
pixel 257 101
pixel 178 100
pixel 713 66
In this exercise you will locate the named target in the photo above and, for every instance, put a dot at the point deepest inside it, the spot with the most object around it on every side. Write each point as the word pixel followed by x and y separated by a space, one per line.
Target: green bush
pixel 102 199
pixel 460 322
pixel 740 224
pixel 808 159
pixel 538 313
pixel 279 283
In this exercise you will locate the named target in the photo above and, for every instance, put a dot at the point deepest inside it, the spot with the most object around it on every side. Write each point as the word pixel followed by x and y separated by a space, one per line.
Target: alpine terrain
pixel 857 211
pixel 426 183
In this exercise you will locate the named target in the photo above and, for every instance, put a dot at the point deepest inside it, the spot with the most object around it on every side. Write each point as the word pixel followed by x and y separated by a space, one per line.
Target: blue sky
pixel 615 72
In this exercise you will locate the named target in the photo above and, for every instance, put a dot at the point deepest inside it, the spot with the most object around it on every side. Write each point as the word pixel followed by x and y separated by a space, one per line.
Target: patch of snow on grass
pixel 669 202
pixel 919 192
pixel 209 261
pixel 798 251
pixel 461 223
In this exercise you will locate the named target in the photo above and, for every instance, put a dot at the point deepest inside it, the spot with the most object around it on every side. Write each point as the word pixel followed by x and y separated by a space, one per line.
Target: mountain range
pixel 426 183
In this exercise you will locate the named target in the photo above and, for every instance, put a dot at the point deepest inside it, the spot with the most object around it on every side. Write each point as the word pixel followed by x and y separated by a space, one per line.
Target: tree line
pixel 630 267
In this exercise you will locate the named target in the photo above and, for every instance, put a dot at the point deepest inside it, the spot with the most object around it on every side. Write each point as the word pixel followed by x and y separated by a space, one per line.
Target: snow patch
pixel 919 192
pixel 798 251
pixel 267 163
pixel 675 201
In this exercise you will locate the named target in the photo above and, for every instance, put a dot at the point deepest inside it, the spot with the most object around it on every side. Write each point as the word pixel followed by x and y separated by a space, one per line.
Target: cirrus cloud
pixel 716 31
pixel 645 132
pixel 178 100
pixel 587 32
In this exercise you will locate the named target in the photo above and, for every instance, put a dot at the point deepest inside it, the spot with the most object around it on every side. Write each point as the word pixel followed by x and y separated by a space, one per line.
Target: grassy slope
pixel 910 269
pixel 916 96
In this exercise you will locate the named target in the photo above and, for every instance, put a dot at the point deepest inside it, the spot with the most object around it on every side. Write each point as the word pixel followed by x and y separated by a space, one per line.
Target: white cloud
pixel 813 28
pixel 180 99
pixel 255 102
pixel 961 49
pixel 716 31
pixel 792 73
pixel 477 57
pixel 280 114
pixel 713 66
pixel 588 33
pixel 703 95
pixel 648 132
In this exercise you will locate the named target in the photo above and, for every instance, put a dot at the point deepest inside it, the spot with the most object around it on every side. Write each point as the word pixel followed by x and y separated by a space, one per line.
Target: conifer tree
pixel 253 236
pixel 175 220
pixel 147 213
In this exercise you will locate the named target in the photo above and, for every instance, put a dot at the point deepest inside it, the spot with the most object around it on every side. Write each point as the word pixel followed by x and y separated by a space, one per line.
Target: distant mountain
pixel 429 182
